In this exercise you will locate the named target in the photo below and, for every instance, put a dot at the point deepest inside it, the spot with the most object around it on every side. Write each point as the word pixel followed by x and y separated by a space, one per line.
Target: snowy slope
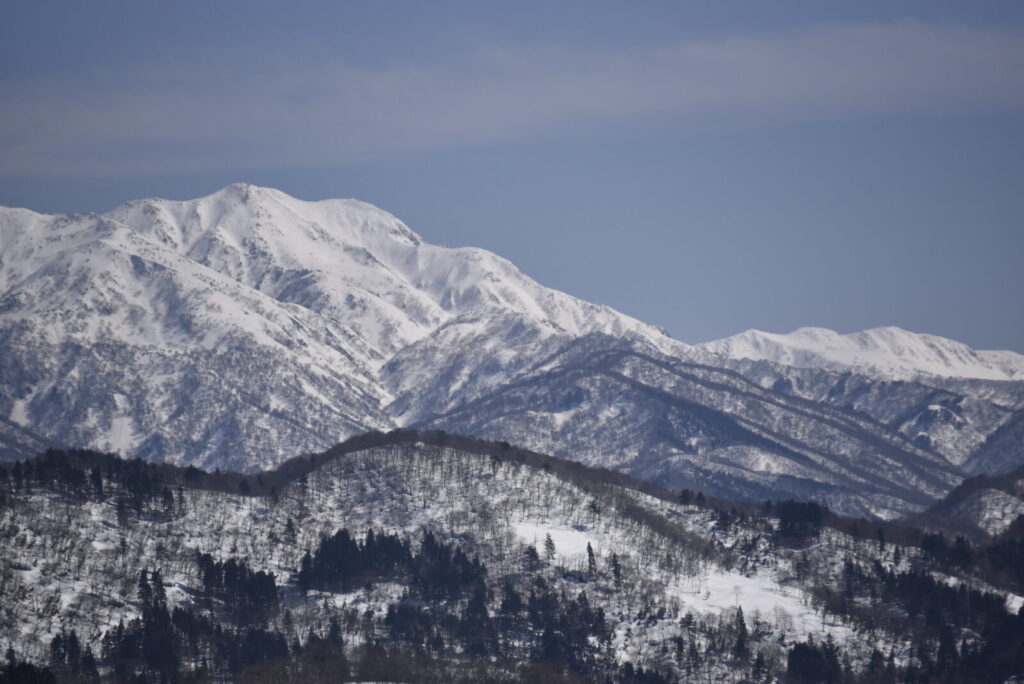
pixel 677 560
pixel 680 423
pixel 889 352
pixel 990 503
pixel 238 328
pixel 354 262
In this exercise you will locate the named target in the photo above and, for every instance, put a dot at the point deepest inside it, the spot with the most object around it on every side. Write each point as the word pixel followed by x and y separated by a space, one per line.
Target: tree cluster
pixel 248 597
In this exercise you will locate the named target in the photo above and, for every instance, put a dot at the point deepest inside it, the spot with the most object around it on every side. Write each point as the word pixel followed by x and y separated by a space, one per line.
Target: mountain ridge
pixel 889 351
pixel 240 328
pixel 338 284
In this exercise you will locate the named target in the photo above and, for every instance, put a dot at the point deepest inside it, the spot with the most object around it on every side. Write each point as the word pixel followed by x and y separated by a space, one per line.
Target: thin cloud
pixel 293 111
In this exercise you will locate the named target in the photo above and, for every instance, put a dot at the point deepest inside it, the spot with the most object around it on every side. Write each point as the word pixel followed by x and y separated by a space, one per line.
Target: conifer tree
pixel 740 650
pixel 145 591
pixel 549 548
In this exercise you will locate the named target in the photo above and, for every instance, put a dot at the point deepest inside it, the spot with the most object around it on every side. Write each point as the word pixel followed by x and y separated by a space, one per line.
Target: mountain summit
pixel 126 330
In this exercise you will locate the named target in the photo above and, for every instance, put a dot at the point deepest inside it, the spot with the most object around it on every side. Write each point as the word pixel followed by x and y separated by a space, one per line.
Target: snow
pixel 352 248
pixel 569 542
pixel 122 438
pixel 322 293
pixel 890 351
pixel 19 412
pixel 724 591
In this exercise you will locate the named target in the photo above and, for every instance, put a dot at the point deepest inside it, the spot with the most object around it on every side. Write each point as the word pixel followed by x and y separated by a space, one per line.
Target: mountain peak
pixel 243 212
pixel 305 301
pixel 888 350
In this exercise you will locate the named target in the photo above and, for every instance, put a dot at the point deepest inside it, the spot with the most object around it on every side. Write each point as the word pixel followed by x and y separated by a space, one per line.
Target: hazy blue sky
pixel 707 166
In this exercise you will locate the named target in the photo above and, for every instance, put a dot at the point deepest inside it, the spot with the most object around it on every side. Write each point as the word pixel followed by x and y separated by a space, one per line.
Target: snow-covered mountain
pixel 236 330
pixel 888 352
pixel 682 423
pixel 242 327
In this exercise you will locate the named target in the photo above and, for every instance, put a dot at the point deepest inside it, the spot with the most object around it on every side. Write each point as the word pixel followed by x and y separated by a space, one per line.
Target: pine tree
pixel 740 650
pixel 531 557
pixel 73 651
pixel 591 562
pixel 946 659
pixel 57 652
pixel 334 634
pixel 549 548
pixel 157 585
pixel 511 601
pixel 306 573
pixel 145 591
pixel 759 666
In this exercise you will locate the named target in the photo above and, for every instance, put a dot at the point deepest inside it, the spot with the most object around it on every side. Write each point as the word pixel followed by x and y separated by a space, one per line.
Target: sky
pixel 706 167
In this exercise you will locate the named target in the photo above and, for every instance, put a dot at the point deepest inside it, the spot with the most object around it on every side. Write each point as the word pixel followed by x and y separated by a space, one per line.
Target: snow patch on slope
pixel 569 542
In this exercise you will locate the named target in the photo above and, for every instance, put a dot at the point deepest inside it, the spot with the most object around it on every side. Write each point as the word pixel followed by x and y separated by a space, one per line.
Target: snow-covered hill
pixel 888 352
pixel 667 575
pixel 989 503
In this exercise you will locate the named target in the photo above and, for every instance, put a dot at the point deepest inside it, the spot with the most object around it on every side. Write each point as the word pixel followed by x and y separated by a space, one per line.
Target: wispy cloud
pixel 301 110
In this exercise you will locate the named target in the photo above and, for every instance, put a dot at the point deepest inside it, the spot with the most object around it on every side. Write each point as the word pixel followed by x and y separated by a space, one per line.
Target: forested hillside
pixel 431 557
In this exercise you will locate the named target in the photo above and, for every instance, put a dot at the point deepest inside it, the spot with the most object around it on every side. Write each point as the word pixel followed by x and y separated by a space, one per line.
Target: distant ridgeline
pixel 427 556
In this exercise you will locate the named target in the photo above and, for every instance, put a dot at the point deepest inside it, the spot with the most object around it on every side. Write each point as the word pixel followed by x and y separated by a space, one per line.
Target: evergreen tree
pixel 532 558
pixel 946 660
pixel 89 667
pixel 145 591
pixel 157 588
pixel 758 669
pixel 549 548
pixel 740 649
pixel 616 570
pixel 511 601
